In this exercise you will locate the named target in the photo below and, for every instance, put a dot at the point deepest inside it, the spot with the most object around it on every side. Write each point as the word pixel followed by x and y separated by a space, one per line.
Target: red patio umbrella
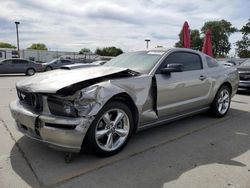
pixel 207 43
pixel 185 36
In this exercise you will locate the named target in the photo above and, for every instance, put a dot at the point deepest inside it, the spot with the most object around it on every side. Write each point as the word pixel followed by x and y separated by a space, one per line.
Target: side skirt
pixel 170 119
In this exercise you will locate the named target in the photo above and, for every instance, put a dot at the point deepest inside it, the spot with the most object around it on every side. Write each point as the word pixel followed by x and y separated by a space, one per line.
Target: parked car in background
pixel 78 66
pixel 83 65
pixel 100 107
pixel 228 63
pixel 56 64
pixel 99 62
pixel 244 73
pixel 18 65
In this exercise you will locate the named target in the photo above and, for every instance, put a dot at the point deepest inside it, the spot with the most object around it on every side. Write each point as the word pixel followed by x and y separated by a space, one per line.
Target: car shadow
pixel 181 156
pixel 243 92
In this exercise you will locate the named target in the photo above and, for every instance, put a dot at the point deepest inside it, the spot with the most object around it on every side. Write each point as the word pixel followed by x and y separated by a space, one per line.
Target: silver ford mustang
pixel 100 107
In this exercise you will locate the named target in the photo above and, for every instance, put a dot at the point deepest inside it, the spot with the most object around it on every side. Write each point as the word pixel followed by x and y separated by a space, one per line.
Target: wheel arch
pixel 228 84
pixel 127 100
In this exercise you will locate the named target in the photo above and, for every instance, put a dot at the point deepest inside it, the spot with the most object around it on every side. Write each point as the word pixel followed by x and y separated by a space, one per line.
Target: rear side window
pixel 23 61
pixel 19 61
pixel 211 62
pixel 190 61
pixel 15 61
pixel 65 61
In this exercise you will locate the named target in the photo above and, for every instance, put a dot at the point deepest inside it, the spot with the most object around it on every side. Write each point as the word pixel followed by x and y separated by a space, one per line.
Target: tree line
pixel 106 51
pixel 221 31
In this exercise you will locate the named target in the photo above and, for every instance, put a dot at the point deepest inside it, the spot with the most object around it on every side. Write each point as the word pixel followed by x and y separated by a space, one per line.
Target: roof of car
pixel 16 59
pixel 168 49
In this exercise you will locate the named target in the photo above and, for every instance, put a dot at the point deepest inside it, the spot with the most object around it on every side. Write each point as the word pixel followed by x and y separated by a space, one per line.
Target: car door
pixel 19 66
pixel 58 64
pixel 181 92
pixel 5 66
pixel 24 65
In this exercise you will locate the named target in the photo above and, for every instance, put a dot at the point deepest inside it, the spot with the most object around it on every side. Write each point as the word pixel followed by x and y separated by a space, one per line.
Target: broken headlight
pixel 61 108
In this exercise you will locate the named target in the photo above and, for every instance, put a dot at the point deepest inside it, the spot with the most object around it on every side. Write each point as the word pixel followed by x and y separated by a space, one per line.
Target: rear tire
pixel 110 131
pixel 30 72
pixel 221 103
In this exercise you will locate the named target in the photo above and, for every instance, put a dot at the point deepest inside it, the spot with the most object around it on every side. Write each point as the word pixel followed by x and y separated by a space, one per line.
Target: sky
pixel 69 25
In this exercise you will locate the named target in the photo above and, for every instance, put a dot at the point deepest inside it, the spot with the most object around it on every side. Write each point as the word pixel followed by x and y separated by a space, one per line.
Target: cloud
pixel 74 24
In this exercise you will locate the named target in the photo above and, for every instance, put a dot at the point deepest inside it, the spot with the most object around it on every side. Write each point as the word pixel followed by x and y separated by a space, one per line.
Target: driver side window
pixel 189 61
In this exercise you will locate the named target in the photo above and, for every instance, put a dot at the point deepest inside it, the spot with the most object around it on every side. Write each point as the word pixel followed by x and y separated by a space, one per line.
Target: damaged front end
pixel 88 97
pixel 65 115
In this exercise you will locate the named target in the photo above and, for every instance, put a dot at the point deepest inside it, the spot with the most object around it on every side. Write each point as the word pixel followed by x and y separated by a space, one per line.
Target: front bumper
pixel 59 132
pixel 244 84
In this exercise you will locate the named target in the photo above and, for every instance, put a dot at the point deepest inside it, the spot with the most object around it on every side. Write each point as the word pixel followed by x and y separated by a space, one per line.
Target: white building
pixel 46 56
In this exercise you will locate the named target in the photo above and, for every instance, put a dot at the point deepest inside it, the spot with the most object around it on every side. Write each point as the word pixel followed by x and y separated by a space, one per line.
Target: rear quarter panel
pixel 220 75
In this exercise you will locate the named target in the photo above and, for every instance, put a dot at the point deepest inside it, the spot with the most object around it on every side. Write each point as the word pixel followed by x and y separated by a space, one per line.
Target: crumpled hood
pixel 52 81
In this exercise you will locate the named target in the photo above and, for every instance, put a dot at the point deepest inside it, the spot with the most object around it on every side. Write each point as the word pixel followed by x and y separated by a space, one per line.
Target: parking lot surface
pixel 198 151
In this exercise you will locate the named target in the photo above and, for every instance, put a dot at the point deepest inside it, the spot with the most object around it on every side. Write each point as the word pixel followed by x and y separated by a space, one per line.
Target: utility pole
pixel 17 38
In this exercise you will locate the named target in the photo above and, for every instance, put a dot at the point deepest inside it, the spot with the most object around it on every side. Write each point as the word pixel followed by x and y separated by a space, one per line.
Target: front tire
pixel 111 130
pixel 221 103
pixel 49 68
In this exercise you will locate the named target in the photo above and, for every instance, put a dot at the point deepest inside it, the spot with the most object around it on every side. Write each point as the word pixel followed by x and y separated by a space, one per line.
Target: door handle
pixel 202 77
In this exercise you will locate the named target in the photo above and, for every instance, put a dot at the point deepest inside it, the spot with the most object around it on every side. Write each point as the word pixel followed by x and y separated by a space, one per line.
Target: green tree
pixel 244 44
pixel 109 51
pixel 38 46
pixel 84 50
pixel 221 30
pixel 195 40
pixel 6 45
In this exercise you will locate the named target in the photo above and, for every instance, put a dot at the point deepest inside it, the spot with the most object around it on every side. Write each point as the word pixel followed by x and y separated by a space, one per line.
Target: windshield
pixel 52 61
pixel 246 63
pixel 141 62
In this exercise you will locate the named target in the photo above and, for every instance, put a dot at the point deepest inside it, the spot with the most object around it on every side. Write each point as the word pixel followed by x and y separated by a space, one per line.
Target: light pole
pixel 17 38
pixel 147 41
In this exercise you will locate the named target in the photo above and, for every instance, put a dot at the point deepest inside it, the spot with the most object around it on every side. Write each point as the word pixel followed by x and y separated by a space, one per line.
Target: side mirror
pixel 172 68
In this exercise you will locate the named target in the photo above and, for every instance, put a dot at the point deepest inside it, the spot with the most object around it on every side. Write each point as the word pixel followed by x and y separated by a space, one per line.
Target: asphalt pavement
pixel 199 151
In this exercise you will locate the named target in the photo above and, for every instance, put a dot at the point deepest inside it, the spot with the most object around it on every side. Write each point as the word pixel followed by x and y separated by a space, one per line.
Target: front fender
pixel 90 100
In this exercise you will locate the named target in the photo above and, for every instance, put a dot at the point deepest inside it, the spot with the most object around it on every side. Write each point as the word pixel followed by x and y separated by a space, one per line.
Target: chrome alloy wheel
pixel 112 130
pixel 223 101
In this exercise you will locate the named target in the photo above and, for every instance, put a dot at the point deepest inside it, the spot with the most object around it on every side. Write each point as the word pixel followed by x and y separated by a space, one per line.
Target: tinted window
pixel 7 61
pixel 65 61
pixel 190 61
pixel 1 55
pixel 246 63
pixel 211 62
pixel 15 61
pixel 19 61
pixel 23 61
